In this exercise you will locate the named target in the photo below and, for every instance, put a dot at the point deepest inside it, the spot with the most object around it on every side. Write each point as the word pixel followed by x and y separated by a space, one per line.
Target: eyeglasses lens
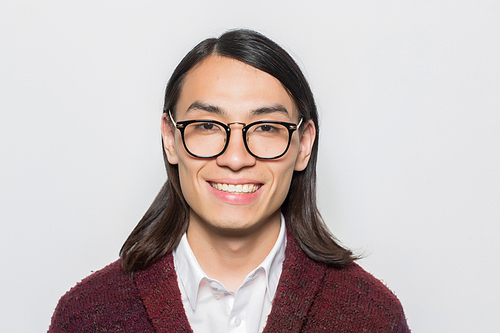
pixel 204 139
pixel 267 140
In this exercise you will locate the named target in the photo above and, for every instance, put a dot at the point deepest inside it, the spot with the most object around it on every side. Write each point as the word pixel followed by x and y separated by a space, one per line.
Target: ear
pixel 307 137
pixel 168 137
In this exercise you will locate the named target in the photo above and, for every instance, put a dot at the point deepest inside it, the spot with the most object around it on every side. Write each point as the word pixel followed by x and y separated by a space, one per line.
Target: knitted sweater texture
pixel 311 297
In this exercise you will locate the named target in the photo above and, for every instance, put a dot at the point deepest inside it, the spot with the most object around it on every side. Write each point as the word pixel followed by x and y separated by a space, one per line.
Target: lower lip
pixel 234 198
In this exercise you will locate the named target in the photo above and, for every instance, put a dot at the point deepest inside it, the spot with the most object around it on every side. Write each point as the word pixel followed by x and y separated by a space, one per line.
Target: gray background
pixel 409 169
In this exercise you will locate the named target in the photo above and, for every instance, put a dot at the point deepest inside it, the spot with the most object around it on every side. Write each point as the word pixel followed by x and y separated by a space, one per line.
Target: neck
pixel 230 255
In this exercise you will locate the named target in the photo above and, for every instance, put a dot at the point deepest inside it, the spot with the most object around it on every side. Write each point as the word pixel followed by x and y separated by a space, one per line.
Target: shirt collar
pixel 190 273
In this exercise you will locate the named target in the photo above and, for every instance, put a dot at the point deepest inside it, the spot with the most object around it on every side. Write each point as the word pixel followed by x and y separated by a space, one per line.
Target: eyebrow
pixel 270 109
pixel 277 108
pixel 205 107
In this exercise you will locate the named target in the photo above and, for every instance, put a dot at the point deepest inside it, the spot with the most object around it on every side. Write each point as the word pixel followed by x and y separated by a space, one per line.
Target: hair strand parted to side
pixel 163 225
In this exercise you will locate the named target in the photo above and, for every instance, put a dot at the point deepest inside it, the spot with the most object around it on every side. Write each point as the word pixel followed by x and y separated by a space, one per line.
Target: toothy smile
pixel 240 188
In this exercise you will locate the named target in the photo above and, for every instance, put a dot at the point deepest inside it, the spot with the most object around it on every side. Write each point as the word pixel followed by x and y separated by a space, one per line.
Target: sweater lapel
pixel 300 279
pixel 158 289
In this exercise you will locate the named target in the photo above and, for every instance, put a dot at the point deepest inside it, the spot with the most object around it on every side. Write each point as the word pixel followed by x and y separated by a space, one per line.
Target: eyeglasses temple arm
pixel 300 122
pixel 172 119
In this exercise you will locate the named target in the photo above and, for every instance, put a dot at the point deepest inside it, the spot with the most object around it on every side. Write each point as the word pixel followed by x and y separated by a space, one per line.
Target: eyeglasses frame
pixel 181 126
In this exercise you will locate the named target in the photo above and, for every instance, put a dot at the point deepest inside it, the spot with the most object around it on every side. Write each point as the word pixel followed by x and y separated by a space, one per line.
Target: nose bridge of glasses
pixel 236 149
pixel 237 123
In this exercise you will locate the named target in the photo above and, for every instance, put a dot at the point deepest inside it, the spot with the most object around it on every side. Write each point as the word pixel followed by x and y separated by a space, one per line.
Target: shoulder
pixel 362 297
pixel 97 282
pixel 353 279
pixel 333 299
pixel 101 301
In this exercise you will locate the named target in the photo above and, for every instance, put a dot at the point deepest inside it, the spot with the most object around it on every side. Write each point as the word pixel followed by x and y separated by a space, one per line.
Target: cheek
pixel 284 175
pixel 184 178
pixel 188 171
pixel 283 178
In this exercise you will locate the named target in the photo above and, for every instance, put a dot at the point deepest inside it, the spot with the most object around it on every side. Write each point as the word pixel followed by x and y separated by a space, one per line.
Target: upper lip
pixel 232 181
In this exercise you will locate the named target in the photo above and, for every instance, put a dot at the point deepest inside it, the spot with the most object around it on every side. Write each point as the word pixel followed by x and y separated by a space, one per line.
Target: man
pixel 234 242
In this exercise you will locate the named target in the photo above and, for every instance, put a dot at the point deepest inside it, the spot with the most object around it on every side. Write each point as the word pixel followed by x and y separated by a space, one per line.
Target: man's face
pixel 224 89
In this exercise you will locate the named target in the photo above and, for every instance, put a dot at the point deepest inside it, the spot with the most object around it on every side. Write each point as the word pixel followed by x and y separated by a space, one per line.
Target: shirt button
pixel 214 285
pixel 237 322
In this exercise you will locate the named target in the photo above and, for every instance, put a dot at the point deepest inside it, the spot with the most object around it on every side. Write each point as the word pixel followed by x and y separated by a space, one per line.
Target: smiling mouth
pixel 237 189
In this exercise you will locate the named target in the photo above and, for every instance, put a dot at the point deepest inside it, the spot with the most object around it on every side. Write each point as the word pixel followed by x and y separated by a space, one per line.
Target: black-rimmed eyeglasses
pixel 266 139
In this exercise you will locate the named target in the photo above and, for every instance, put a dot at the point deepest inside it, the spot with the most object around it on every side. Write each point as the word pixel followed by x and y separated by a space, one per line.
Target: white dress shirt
pixel 210 307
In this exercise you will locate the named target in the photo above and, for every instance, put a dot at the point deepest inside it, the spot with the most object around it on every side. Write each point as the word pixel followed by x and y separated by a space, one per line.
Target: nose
pixel 236 155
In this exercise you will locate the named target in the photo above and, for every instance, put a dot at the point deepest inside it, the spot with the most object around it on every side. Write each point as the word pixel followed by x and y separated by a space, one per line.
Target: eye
pixel 266 128
pixel 206 126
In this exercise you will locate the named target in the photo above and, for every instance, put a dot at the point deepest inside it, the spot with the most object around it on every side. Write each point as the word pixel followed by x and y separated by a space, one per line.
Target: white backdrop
pixel 409 167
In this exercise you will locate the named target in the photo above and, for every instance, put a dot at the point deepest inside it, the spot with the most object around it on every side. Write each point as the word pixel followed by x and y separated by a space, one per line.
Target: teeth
pixel 240 188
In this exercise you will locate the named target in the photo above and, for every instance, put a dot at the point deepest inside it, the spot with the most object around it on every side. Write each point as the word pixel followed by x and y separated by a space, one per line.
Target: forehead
pixel 234 89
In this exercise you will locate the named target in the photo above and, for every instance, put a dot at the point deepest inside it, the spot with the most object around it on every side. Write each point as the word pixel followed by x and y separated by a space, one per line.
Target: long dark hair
pixel 163 225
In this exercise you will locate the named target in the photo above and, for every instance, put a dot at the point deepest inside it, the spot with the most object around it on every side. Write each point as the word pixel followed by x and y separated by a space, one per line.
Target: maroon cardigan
pixel 311 297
